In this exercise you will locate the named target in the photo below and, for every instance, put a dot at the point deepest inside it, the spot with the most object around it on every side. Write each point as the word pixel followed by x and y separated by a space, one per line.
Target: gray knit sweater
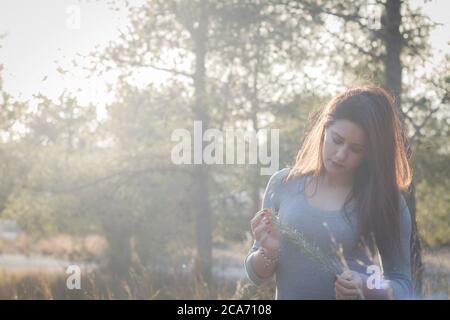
pixel 298 277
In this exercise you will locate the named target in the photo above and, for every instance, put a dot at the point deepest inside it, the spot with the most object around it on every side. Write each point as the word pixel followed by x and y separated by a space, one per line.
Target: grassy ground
pixel 144 284
pixel 436 284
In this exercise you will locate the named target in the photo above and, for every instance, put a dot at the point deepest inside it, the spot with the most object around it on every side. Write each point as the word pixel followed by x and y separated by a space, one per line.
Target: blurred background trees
pixel 250 65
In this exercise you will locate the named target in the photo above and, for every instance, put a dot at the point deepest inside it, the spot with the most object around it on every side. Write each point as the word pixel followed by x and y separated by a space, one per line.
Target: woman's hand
pixel 349 286
pixel 265 231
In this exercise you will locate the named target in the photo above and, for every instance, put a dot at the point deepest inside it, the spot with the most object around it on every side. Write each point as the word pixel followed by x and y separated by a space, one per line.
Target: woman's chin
pixel 333 170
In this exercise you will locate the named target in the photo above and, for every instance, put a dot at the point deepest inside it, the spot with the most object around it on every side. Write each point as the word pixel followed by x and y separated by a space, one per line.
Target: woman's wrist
pixel 270 256
pixel 270 253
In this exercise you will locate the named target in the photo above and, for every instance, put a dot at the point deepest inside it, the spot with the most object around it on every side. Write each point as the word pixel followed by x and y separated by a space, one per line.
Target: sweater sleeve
pixel 271 199
pixel 397 265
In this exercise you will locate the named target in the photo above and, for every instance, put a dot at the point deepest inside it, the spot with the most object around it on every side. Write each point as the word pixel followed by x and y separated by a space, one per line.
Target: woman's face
pixel 343 148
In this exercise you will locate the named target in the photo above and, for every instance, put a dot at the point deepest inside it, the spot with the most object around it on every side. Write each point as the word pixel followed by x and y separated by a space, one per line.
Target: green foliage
pixel 70 173
pixel 433 213
pixel 433 182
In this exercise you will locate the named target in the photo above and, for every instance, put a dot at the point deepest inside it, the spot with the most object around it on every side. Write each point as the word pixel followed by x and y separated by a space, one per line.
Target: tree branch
pixel 315 9
pixel 354 45
pixel 418 128
pixel 131 174
pixel 145 65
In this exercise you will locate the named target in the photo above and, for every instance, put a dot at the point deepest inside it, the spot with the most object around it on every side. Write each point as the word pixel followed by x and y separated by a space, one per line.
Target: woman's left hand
pixel 348 285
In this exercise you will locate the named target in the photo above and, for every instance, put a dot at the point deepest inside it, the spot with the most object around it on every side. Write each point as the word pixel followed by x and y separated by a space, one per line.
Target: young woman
pixel 343 190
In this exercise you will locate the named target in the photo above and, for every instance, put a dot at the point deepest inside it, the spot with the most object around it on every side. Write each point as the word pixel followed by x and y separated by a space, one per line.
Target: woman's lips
pixel 337 165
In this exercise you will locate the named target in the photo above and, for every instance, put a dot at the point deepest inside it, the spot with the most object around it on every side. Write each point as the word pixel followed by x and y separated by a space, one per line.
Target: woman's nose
pixel 341 154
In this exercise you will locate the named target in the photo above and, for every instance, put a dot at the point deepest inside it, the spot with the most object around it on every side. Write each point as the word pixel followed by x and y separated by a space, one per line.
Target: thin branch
pixel 418 128
pixel 354 45
pixel 315 9
pixel 132 174
pixel 146 65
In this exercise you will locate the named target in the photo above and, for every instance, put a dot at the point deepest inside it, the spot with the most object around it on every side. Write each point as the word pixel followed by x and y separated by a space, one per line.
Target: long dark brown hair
pixel 385 170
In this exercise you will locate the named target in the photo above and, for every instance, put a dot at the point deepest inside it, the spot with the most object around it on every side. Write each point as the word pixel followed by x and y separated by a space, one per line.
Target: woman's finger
pixel 257 222
pixel 347 275
pixel 263 237
pixel 345 283
pixel 345 291
pixel 272 229
pixel 258 217
pixel 259 231
pixel 264 221
pixel 341 296
pixel 338 295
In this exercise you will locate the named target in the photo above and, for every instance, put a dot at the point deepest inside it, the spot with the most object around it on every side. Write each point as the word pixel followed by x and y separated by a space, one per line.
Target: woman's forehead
pixel 349 131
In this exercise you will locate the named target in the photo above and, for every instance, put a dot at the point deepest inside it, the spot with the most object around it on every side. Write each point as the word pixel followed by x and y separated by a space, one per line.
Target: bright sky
pixel 42 35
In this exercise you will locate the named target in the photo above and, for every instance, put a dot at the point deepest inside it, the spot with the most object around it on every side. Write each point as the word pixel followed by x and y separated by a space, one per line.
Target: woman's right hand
pixel 265 231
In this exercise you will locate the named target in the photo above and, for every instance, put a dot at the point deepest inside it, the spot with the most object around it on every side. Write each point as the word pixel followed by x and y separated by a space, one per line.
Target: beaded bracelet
pixel 268 260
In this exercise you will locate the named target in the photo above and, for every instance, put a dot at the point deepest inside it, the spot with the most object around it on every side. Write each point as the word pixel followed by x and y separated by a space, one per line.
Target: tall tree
pixel 380 36
pixel 209 36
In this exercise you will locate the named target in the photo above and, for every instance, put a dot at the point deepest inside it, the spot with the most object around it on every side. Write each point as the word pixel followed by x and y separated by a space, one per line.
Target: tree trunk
pixel 393 81
pixel 393 42
pixel 200 180
pixel 256 199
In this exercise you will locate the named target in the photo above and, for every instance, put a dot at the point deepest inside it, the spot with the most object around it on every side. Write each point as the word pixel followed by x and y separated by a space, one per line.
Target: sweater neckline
pixel 320 211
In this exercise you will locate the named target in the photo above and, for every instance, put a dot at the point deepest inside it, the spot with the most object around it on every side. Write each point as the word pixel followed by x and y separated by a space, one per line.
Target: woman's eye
pixel 337 141
pixel 356 150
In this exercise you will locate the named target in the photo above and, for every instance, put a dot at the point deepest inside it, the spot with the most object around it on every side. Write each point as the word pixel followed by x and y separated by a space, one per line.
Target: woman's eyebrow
pixel 339 136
